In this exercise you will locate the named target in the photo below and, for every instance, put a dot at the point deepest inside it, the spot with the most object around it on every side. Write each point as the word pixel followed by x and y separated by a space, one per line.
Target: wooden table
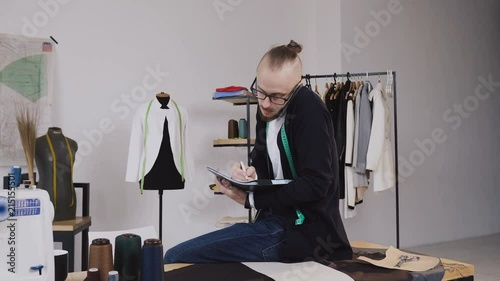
pixel 454 270
pixel 65 231
pixel 80 276
pixel 461 270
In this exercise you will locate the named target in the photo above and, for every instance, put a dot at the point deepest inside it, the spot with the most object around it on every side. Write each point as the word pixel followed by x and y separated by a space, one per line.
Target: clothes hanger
pixel 360 87
pixel 346 97
pixel 330 92
pixel 339 87
pixel 325 92
pixel 349 91
pixel 355 87
pixel 316 87
pixel 333 86
pixel 388 86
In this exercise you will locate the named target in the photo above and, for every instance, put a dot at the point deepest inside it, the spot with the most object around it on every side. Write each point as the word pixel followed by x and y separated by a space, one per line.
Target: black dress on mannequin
pixel 164 174
pixel 54 157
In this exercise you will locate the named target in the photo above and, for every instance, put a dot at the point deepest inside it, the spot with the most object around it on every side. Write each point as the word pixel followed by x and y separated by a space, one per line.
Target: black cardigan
pixel 315 192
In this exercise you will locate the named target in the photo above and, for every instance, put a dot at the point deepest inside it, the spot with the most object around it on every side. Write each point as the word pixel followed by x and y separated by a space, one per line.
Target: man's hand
pixel 230 191
pixel 239 173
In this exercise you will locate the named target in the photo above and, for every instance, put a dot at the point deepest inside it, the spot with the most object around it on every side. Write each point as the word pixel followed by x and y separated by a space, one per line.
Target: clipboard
pixel 254 185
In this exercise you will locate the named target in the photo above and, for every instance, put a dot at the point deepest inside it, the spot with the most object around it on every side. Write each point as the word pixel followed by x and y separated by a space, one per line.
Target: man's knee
pixel 169 257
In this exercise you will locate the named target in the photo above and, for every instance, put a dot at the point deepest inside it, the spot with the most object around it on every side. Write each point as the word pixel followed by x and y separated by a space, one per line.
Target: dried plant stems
pixel 27 123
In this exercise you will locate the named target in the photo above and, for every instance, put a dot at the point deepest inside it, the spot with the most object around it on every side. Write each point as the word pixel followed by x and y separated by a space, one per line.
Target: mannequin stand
pixel 160 198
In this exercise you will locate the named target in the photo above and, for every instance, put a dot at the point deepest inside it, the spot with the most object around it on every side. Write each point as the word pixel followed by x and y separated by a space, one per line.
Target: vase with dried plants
pixel 27 116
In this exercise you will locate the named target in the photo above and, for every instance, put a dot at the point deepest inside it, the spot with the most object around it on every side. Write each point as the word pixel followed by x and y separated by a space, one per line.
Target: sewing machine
pixel 26 240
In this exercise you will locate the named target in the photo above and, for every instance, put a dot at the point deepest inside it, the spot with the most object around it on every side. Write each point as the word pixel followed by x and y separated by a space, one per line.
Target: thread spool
pixel 16 171
pixel 242 128
pixel 128 256
pixel 113 276
pixel 152 260
pixel 101 257
pixel 93 274
pixel 232 129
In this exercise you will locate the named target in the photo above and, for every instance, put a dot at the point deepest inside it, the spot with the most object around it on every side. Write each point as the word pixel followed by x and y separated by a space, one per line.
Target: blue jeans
pixel 261 241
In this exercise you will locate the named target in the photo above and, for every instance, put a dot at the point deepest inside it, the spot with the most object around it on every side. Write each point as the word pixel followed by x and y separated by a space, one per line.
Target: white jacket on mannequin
pixel 179 139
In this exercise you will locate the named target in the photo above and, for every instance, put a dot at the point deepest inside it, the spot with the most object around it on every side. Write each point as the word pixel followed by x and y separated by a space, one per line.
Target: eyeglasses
pixel 261 95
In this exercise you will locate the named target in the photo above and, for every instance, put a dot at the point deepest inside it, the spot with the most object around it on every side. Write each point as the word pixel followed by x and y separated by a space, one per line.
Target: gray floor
pixel 482 252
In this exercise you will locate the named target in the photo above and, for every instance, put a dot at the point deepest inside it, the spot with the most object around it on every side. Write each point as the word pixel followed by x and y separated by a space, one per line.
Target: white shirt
pixel 272 145
pixel 273 151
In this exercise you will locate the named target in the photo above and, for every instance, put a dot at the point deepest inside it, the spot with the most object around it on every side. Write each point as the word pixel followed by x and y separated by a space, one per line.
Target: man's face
pixel 278 83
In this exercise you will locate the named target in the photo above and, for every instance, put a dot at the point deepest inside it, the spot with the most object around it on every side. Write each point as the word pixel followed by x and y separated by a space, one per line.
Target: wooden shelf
pixel 238 100
pixel 232 142
pixel 71 225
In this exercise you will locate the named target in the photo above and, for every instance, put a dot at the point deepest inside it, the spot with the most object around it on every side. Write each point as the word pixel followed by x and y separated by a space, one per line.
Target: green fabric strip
pixel 146 131
pixel 300 216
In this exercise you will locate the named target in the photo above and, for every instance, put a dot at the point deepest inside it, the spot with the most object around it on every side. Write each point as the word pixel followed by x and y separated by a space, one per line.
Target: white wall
pixel 104 51
pixel 439 49
pixel 106 47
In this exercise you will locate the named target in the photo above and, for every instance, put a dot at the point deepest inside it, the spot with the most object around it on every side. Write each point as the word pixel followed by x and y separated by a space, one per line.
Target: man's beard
pixel 270 118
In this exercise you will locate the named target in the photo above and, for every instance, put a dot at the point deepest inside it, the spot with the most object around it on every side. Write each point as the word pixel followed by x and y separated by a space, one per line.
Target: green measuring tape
pixel 300 216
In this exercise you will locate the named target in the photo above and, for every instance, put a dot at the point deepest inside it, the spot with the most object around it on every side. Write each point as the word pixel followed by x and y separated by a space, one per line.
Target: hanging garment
pixel 147 135
pixel 362 126
pixel 350 193
pixel 365 125
pixel 338 112
pixel 379 158
pixel 356 127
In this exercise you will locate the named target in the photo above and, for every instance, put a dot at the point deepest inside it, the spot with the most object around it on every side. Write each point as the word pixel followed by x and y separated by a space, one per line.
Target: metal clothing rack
pixel 308 78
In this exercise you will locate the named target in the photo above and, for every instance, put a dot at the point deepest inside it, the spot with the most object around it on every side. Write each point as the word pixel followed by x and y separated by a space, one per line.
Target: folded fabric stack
pixel 231 91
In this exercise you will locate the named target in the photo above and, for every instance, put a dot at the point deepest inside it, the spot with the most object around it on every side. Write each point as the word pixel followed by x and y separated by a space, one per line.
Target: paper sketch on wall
pixel 26 76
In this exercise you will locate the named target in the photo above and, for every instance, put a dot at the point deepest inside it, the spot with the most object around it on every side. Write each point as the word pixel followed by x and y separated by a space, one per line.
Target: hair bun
pixel 296 47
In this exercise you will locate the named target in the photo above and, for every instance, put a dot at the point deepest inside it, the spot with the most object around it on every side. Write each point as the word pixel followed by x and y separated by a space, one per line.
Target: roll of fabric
pixel 152 260
pixel 232 131
pixel 101 257
pixel 93 274
pixel 128 256
pixel 242 128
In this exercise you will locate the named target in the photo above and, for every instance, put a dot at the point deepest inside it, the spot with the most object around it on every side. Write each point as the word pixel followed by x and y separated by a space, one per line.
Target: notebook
pixel 254 185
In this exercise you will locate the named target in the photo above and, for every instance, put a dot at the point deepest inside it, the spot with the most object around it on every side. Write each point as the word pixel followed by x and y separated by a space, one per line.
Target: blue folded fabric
pixel 229 94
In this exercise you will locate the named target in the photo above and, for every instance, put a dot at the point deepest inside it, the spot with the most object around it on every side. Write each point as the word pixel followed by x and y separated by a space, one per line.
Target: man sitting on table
pixel 301 220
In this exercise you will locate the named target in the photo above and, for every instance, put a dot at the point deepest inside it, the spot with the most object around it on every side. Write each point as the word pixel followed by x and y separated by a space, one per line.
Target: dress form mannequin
pixel 164 174
pixel 54 157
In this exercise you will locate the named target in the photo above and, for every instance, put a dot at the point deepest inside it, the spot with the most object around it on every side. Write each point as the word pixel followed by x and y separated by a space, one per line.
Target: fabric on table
pixel 435 274
pixel 392 258
pixel 216 272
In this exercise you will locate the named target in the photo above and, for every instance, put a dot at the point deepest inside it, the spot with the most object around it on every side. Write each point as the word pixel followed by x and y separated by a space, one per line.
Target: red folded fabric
pixel 231 89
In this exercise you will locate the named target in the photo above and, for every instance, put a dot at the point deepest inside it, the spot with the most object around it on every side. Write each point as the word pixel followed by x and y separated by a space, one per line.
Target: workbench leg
pixel 85 249
pixel 68 244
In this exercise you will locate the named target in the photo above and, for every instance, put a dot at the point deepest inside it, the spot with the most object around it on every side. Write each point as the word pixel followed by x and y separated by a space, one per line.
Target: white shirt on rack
pixel 380 158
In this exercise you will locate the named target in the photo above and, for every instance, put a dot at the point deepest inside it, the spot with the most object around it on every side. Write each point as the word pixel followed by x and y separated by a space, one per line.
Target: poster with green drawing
pixel 26 77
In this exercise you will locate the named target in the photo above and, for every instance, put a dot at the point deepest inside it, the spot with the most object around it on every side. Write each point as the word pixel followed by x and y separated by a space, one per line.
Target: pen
pixel 244 169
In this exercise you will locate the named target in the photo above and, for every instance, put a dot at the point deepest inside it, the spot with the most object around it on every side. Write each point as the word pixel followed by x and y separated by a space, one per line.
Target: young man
pixel 299 221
